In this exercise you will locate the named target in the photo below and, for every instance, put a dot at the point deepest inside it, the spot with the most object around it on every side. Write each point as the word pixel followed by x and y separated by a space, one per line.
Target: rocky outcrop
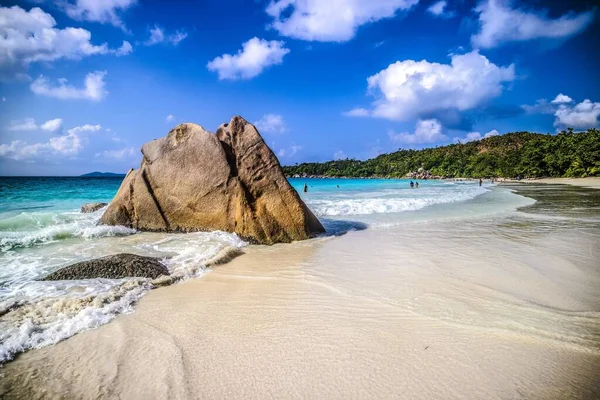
pixel 92 207
pixel 423 175
pixel 194 180
pixel 111 267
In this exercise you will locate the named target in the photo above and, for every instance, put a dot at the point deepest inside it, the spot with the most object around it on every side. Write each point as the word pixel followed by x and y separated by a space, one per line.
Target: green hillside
pixel 526 154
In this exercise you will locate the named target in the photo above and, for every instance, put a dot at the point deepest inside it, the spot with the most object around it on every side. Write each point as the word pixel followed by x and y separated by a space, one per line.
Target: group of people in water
pixel 413 184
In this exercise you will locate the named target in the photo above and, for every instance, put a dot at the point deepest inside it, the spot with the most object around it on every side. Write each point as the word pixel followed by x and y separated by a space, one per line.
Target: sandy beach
pixel 483 306
pixel 590 182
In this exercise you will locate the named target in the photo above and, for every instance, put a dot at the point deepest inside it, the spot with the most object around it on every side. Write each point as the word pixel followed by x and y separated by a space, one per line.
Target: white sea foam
pixel 38 313
pixel 383 202
pixel 31 229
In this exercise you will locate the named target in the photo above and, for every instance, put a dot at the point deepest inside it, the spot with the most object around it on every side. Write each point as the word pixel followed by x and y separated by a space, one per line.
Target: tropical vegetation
pixel 525 154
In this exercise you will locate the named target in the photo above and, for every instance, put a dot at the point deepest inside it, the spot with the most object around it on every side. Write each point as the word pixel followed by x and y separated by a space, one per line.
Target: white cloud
pixel 256 55
pixel 120 154
pixel 103 11
pixel 158 35
pixel 562 99
pixel 125 49
pixel 93 88
pixel 584 115
pixel 85 128
pixel 339 155
pixel 52 125
pixel 28 37
pixel 19 150
pixel 289 152
pixel 271 123
pixel 356 112
pixel 3 98
pixel 332 20
pixel 500 23
pixel 415 89
pixel 439 9
pixel 28 124
pixel 426 131
pixel 472 136
pixel 580 116
pixel 67 145
pixel 169 118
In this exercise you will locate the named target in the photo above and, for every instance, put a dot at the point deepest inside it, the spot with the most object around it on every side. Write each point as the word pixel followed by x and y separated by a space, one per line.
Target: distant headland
pixel 97 174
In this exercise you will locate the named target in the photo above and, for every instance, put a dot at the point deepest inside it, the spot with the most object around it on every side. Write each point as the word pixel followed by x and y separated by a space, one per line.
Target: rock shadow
pixel 336 227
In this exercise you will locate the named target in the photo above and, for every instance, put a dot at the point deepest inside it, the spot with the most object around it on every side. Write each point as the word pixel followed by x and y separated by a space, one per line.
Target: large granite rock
pixel 111 267
pixel 193 180
pixel 92 207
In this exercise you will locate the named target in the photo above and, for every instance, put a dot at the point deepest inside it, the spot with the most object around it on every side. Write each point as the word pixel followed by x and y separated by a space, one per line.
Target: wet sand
pixel 591 182
pixel 503 306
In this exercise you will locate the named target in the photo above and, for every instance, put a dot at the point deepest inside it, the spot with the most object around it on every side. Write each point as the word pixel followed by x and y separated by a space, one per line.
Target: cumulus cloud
pixel 426 131
pixel 118 155
pixel 169 118
pixel 439 9
pixel 500 23
pixel 125 49
pixel 102 11
pixel 29 124
pixel 271 123
pixel 256 55
pixel 417 89
pixel 562 99
pixel 472 136
pixel 580 116
pixel 330 21
pixel 52 125
pixel 158 35
pixel 67 145
pixel 93 88
pixel 85 128
pixel 30 36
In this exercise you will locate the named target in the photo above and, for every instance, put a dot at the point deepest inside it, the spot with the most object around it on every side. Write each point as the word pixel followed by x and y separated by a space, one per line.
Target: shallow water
pixel 42 230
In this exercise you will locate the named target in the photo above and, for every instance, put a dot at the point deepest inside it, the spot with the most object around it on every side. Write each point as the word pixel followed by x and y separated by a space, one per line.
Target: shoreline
pixel 373 313
pixel 589 182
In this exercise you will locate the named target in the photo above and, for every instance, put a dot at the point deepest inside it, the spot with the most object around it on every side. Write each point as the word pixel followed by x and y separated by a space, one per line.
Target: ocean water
pixel 42 230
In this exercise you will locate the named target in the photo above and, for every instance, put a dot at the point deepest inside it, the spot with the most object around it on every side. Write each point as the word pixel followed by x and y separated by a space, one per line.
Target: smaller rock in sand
pixel 111 267
pixel 92 207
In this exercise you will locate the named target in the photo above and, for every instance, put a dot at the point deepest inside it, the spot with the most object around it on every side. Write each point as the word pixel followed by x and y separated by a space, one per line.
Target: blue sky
pixel 84 83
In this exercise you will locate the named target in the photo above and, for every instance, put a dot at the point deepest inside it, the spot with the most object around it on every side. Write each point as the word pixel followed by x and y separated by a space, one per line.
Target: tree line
pixel 524 154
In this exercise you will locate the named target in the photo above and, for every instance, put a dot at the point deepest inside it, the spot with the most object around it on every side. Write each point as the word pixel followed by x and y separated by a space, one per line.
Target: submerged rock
pixel 92 207
pixel 193 180
pixel 111 267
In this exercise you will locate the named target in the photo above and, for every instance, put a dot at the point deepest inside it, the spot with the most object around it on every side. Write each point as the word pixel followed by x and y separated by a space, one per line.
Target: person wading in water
pixel 305 188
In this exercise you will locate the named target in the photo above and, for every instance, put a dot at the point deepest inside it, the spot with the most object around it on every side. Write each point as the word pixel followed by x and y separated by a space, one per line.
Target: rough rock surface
pixel 111 267
pixel 92 207
pixel 194 180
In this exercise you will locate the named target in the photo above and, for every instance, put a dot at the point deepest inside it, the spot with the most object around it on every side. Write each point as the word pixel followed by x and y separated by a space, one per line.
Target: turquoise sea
pixel 42 230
